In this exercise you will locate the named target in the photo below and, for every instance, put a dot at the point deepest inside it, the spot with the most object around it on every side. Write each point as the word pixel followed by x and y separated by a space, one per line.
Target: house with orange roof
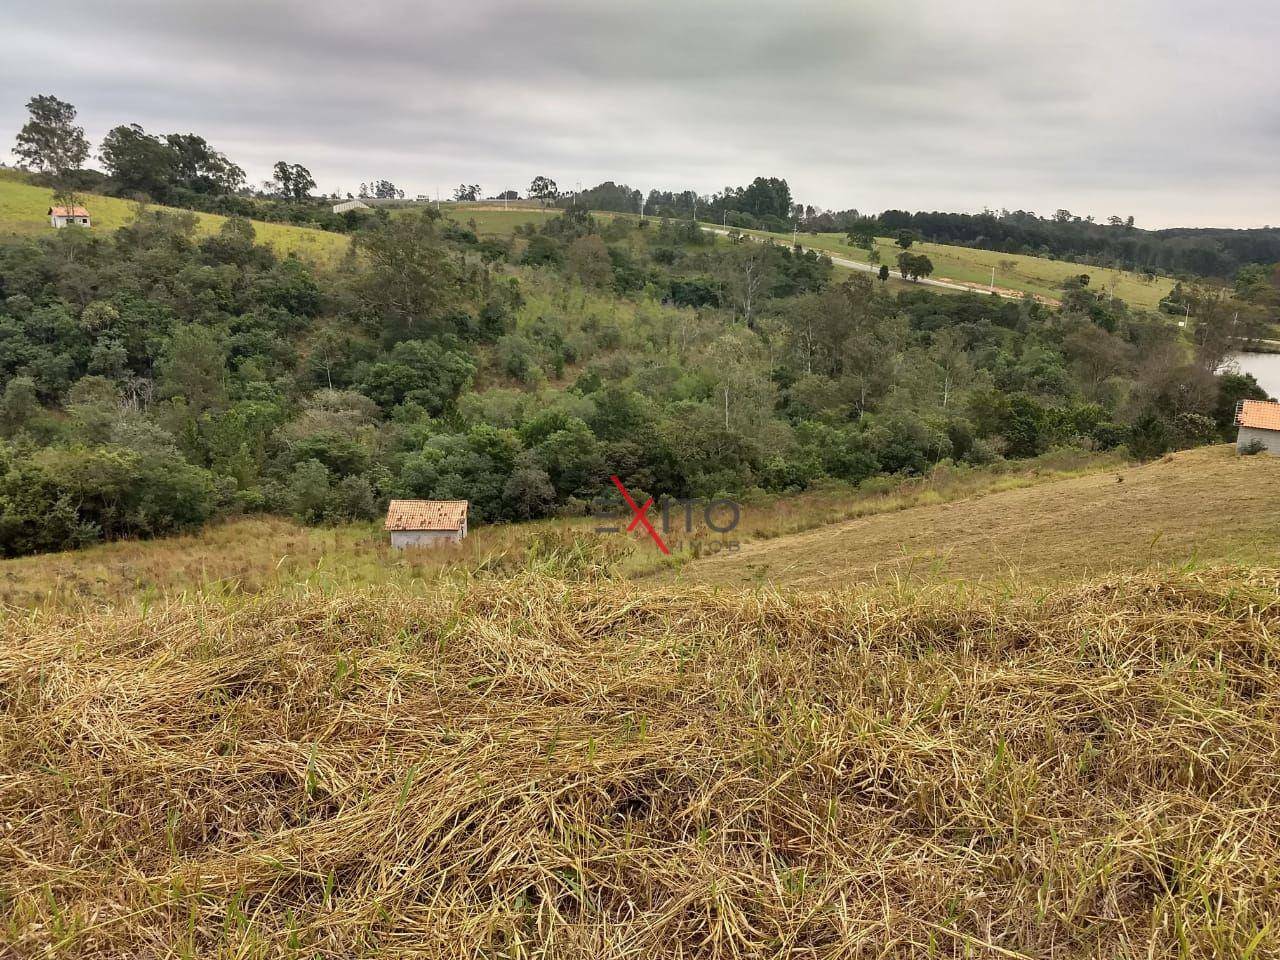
pixel 60 217
pixel 1259 422
pixel 426 523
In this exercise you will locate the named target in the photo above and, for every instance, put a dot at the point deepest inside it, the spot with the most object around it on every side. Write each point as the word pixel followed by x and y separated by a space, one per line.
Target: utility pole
pixel 993 279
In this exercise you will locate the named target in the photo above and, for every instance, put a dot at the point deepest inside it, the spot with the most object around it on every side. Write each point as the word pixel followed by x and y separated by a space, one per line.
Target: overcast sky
pixel 1168 110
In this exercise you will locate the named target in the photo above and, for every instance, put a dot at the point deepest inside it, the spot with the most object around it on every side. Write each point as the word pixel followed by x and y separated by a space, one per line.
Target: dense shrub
pixel 151 378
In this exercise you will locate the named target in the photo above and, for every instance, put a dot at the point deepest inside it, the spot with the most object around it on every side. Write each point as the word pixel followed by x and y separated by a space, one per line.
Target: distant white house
pixel 60 217
pixel 425 523
pixel 349 205
pixel 1259 422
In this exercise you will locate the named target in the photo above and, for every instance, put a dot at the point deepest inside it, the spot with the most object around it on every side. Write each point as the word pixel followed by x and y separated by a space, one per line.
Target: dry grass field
pixel 268 741
pixel 246 556
pixel 535 769
pixel 1198 506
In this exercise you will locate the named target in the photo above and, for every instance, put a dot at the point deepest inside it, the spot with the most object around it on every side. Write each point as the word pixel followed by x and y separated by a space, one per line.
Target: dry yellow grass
pixel 249 555
pixel 1198 506
pixel 537 770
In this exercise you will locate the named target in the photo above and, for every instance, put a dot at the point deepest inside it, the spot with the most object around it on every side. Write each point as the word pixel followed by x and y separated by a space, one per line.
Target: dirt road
pixel 927 281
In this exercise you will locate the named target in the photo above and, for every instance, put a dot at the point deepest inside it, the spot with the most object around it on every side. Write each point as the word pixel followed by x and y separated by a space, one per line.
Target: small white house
pixel 60 217
pixel 426 523
pixel 1259 421
pixel 346 205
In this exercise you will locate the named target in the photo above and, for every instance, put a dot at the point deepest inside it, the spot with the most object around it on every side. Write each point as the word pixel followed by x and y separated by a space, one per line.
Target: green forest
pixel 151 379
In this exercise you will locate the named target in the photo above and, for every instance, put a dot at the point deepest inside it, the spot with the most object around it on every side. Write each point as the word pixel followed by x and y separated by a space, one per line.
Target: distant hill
pixel 1038 276
pixel 23 212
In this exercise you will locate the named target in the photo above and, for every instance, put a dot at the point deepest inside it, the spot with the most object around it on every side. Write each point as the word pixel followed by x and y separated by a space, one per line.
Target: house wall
pixel 424 538
pixel 60 222
pixel 1269 438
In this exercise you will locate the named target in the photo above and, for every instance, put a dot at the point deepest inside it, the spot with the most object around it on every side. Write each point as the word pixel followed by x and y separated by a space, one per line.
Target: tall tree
pixel 292 181
pixel 412 283
pixel 384 190
pixel 200 168
pixel 544 189
pixel 746 269
pixel 138 161
pixel 767 196
pixel 51 141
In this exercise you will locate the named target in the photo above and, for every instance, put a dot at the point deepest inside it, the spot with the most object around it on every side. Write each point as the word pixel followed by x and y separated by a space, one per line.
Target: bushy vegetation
pixel 151 379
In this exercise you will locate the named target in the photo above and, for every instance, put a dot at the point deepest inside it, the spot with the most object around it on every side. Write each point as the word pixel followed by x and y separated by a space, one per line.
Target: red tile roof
pixel 1260 414
pixel 68 212
pixel 426 514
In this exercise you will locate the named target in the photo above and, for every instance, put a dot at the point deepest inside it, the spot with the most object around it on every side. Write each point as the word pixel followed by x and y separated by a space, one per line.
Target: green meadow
pixel 24 212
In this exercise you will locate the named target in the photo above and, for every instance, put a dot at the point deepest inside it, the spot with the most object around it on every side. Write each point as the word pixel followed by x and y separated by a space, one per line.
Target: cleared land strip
pixel 1201 505
pixel 875 268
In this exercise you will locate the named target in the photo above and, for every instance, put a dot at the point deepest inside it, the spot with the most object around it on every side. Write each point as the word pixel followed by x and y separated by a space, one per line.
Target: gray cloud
pixel 1162 110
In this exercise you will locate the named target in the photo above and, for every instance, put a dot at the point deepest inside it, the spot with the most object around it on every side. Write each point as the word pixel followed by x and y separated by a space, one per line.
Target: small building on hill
pixel 346 205
pixel 60 217
pixel 426 523
pixel 1259 422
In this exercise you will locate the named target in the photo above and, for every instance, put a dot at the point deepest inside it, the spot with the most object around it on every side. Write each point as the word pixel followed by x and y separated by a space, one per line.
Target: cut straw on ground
pixel 537 769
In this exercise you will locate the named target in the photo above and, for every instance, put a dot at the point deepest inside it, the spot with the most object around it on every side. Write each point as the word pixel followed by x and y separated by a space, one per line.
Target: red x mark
pixel 640 517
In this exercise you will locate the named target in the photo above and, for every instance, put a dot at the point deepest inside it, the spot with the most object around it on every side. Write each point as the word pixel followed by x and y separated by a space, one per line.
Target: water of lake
pixel 1265 368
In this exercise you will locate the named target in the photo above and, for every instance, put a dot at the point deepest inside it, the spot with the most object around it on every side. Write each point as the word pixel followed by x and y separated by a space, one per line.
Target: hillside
pixel 158 381
pixel 965 266
pixel 1198 506
pixel 532 769
pixel 1042 521
pixel 498 219
pixel 23 210
pixel 252 554
pixel 1013 272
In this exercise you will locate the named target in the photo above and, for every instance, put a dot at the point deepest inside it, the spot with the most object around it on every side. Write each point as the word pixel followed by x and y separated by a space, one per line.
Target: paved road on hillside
pixel 870 268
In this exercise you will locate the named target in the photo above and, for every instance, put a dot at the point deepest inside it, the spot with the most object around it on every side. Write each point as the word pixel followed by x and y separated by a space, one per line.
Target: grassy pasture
pixel 494 219
pixel 1034 275
pixel 23 213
